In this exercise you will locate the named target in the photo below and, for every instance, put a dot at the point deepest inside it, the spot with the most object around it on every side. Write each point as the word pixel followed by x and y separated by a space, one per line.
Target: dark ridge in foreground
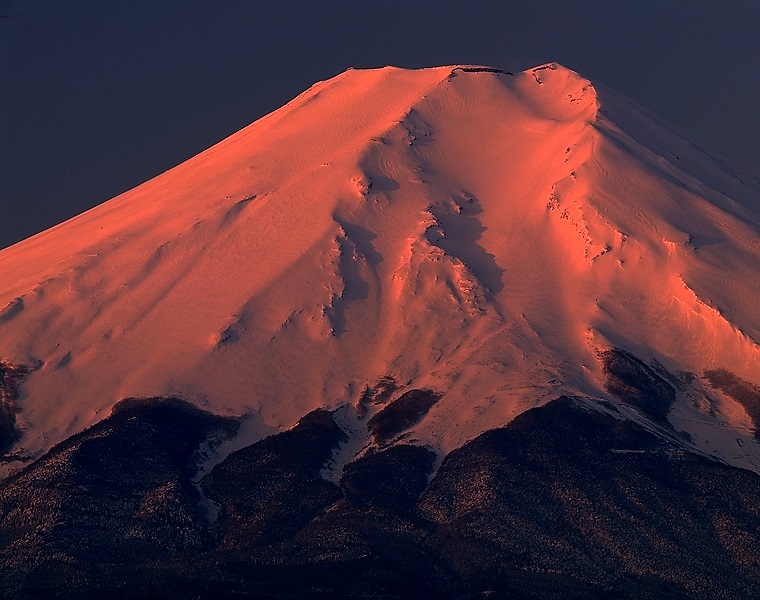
pixel 119 493
pixel 564 502
pixel 270 490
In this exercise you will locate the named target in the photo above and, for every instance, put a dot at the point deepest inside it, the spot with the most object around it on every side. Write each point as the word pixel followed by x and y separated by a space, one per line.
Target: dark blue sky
pixel 97 96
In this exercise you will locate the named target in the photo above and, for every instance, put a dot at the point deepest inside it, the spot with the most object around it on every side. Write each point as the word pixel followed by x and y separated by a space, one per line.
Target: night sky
pixel 98 96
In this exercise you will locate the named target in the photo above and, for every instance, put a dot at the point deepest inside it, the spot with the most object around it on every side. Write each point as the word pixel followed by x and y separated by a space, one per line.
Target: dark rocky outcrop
pixel 480 70
pixel 636 383
pixel 744 392
pixel 380 393
pixel 10 377
pixel 401 414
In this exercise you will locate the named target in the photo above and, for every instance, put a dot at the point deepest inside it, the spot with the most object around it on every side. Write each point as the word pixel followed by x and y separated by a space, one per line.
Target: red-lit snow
pixel 476 233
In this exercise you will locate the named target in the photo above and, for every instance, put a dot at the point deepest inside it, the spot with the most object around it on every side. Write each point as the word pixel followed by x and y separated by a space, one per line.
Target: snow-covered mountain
pixel 410 258
pixel 461 229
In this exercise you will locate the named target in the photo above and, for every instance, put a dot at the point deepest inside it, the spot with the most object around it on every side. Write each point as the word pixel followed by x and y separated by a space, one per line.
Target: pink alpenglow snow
pixel 465 230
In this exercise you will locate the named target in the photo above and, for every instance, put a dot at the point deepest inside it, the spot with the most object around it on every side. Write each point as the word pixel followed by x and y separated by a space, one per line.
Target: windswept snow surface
pixel 468 231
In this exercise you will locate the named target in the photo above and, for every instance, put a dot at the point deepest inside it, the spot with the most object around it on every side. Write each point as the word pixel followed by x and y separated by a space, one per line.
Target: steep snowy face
pixel 459 229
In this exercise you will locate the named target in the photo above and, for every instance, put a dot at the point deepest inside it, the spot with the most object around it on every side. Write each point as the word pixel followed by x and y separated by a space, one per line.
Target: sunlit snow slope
pixel 466 230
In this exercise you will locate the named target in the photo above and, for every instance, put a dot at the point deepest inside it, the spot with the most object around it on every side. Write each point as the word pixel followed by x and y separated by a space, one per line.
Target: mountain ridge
pixel 563 502
pixel 484 235
pixel 442 333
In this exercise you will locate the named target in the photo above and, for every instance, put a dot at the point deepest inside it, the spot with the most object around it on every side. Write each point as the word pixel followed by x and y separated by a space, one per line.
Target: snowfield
pixel 481 234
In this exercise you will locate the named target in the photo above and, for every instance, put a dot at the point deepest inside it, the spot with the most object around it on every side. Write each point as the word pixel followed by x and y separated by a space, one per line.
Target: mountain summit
pixel 485 235
pixel 411 258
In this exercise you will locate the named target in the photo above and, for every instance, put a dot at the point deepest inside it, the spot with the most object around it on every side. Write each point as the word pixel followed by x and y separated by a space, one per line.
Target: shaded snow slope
pixel 476 233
